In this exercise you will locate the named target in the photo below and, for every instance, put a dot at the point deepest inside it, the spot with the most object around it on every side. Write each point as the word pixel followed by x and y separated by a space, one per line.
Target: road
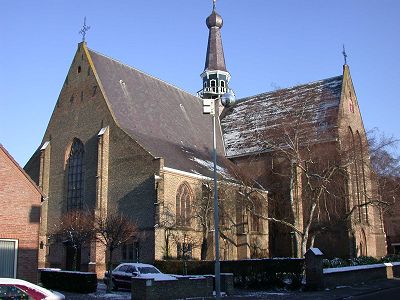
pixel 392 293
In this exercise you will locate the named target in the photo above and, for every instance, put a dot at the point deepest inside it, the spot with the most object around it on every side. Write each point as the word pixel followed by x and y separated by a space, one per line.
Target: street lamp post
pixel 210 107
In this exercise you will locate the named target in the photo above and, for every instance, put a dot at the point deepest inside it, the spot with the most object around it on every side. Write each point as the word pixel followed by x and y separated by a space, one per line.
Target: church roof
pixel 166 121
pixel 266 121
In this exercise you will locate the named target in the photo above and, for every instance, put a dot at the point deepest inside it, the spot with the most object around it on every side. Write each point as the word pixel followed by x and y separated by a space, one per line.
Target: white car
pixel 122 275
pixel 11 288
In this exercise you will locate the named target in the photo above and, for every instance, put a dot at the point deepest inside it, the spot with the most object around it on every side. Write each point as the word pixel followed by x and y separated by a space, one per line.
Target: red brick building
pixel 20 200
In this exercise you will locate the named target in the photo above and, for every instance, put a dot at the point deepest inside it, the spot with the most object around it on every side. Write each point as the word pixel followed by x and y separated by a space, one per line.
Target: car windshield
pixel 148 270
pixel 19 292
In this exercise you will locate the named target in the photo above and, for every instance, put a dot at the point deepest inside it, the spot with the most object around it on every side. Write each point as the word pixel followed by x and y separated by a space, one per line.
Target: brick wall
pixel 19 215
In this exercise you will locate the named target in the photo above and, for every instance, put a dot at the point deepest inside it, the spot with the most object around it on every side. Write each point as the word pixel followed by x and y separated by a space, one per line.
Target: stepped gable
pixel 258 122
pixel 166 121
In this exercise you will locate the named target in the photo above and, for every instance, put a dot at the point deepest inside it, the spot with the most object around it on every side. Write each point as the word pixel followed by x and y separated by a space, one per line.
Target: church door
pixel 73 258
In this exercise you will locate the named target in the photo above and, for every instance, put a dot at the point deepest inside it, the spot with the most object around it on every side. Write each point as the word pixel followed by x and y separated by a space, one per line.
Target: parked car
pixel 123 274
pixel 11 288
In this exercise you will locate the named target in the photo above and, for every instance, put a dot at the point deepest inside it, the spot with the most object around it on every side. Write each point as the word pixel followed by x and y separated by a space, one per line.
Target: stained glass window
pixel 184 197
pixel 75 176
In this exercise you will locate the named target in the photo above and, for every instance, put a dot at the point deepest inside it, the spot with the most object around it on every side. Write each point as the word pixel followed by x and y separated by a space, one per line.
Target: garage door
pixel 8 258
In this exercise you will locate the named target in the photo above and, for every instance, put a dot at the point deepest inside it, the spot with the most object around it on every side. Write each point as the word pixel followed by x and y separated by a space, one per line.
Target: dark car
pixel 123 274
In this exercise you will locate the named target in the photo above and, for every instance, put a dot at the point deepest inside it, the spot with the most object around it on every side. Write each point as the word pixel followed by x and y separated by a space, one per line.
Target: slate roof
pixel 164 120
pixel 263 122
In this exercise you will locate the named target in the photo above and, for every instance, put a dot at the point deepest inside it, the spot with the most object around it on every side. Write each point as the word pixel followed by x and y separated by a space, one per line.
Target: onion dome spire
pixel 215 75
pixel 215 53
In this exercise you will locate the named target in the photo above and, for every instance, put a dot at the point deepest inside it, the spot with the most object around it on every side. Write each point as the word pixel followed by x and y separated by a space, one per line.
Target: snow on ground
pixel 100 294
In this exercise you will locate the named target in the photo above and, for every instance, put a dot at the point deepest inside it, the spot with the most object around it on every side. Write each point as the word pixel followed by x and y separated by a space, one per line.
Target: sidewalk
pixel 341 292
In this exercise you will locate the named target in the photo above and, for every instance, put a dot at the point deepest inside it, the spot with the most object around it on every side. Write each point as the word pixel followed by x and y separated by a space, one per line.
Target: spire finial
pixel 84 29
pixel 344 55
pixel 214 4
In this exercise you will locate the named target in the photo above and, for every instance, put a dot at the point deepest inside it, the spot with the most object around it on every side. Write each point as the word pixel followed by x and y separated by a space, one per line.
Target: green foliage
pixel 338 263
pixel 77 282
pixel 363 260
pixel 390 258
pixel 358 261
pixel 257 273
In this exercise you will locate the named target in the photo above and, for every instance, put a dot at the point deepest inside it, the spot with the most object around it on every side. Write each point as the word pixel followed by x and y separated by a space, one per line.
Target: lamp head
pixel 228 99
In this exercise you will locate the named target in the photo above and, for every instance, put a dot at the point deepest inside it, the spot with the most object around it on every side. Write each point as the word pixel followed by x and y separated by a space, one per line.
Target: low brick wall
pixel 183 287
pixel 318 278
pixel 334 277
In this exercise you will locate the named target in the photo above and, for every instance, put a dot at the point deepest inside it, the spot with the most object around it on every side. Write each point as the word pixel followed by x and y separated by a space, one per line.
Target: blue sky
pixel 267 44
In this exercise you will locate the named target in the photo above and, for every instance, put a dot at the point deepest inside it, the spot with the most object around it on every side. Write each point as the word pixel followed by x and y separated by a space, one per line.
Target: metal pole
pixel 216 215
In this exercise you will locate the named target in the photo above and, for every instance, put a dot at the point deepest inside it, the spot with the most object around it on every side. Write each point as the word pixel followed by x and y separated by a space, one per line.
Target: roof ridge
pixel 142 72
pixel 287 88
pixel 33 183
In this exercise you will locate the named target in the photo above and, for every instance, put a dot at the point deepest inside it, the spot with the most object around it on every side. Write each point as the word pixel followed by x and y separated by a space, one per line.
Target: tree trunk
pixel 298 245
pixel 204 248
pixel 75 261
pixel 166 240
pixel 307 230
pixel 110 284
pixel 297 238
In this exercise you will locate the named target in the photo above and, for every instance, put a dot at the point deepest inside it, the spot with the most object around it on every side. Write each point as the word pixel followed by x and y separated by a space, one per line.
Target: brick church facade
pixel 121 139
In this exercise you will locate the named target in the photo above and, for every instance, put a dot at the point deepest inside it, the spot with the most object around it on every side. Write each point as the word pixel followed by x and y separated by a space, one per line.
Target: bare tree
pixel 75 229
pixel 308 168
pixel 167 222
pixel 385 162
pixel 202 213
pixel 112 231
pixel 383 150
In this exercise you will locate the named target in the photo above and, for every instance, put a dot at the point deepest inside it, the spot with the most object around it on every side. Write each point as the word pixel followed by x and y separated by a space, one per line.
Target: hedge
pixel 257 273
pixel 78 282
pixel 358 261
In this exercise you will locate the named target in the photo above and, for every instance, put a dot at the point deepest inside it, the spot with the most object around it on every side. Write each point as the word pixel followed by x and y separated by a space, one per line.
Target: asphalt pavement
pixel 380 289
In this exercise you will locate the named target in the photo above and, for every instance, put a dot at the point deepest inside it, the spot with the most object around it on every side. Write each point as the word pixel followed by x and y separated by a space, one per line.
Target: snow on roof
pixel 210 166
pixel 258 122
pixel 316 251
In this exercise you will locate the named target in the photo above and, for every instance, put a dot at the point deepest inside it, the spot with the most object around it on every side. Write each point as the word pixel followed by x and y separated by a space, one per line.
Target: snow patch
pixel 316 251
pixel 353 268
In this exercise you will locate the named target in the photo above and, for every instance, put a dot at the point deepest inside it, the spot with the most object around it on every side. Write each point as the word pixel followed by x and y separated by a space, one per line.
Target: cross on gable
pixel 84 29
pixel 344 55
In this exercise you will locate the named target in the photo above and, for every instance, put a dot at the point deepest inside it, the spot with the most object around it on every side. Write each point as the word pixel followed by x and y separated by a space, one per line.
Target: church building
pixel 120 139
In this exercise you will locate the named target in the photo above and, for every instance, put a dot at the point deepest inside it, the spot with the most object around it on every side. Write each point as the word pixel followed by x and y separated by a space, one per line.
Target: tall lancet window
pixel 184 199
pixel 75 169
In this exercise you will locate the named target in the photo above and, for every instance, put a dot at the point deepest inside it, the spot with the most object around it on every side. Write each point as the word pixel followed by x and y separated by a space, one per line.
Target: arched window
pixel 222 83
pixel 256 212
pixel 184 198
pixel 351 105
pixel 361 169
pixel 355 181
pixel 213 83
pixel 75 173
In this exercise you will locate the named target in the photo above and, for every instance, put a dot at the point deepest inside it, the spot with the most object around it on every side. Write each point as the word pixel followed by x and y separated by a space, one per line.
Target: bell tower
pixel 215 75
